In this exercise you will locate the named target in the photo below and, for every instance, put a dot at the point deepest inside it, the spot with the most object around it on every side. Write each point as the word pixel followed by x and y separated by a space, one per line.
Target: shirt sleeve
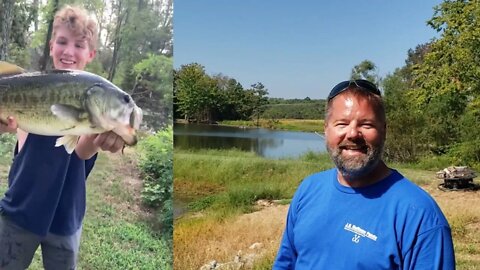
pixel 89 163
pixel 432 250
pixel 287 254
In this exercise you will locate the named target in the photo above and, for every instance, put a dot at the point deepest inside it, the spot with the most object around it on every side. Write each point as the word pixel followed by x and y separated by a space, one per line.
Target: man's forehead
pixel 348 105
pixel 348 99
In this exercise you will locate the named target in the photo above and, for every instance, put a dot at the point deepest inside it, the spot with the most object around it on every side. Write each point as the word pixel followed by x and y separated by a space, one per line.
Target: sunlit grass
pixel 224 185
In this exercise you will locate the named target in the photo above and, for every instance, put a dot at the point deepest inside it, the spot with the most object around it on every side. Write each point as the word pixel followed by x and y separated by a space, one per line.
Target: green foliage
pixel 153 89
pixel 203 98
pixel 144 29
pixel 300 110
pixel 196 93
pixel 405 138
pixel 365 70
pixel 7 143
pixel 156 165
pixel 432 102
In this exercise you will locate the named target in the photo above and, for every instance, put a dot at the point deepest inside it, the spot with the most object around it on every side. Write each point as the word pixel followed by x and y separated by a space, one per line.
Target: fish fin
pixel 68 141
pixel 67 112
pixel 10 69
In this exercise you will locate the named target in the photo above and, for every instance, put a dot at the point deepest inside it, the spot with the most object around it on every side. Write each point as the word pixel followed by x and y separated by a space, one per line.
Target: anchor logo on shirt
pixel 359 232
pixel 356 238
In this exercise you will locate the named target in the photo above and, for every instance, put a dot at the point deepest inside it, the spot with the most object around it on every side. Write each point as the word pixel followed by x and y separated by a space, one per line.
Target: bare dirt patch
pixel 125 166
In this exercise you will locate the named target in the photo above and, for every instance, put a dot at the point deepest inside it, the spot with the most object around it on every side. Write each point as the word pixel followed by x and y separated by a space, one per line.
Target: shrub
pixel 156 165
pixel 7 143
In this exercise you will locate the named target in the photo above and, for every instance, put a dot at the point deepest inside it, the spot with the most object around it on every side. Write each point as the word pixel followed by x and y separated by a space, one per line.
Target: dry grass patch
pixel 198 241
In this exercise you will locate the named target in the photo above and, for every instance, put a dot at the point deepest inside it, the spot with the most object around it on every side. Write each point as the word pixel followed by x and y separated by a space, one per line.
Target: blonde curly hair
pixel 79 21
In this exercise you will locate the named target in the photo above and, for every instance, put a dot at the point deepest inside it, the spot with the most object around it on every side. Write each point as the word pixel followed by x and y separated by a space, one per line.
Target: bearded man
pixel 362 214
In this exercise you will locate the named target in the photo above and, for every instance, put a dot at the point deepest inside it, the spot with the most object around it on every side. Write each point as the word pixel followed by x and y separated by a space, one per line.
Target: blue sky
pixel 298 48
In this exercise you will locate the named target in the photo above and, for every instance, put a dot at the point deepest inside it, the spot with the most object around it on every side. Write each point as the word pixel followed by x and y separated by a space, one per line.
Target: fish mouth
pixel 136 117
pixel 133 141
pixel 128 134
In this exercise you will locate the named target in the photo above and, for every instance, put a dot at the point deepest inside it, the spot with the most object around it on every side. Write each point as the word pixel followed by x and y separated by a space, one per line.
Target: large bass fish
pixel 67 103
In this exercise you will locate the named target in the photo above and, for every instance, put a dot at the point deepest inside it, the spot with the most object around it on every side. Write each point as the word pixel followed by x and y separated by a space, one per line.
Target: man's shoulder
pixel 414 200
pixel 316 180
pixel 319 177
pixel 405 186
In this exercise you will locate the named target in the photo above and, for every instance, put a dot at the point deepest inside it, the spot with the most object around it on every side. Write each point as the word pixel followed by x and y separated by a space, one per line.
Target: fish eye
pixel 126 98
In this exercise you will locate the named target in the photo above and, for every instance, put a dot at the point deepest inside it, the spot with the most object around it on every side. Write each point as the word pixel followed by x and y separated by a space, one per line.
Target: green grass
pixel 307 125
pixel 115 234
pixel 230 181
pixel 224 183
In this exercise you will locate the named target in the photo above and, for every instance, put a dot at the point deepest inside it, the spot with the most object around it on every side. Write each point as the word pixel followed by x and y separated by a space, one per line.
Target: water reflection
pixel 264 142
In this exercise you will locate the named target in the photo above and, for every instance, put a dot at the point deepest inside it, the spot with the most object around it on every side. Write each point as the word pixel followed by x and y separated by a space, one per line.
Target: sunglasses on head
pixel 361 84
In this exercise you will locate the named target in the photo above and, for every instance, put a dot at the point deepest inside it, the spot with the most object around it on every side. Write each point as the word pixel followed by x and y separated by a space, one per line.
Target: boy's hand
pixel 9 126
pixel 109 141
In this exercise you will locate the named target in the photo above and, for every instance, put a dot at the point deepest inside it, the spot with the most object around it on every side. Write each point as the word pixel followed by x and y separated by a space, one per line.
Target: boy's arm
pixel 89 145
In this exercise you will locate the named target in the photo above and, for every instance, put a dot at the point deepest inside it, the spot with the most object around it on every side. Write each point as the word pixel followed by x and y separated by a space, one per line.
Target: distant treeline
pixel 200 97
pixel 294 109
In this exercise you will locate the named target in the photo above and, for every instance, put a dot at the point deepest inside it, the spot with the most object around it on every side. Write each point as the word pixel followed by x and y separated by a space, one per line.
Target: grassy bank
pixel 220 189
pixel 308 125
pixel 118 232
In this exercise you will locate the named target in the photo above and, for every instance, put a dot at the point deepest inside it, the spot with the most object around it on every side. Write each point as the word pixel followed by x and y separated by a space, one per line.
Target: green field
pixel 308 125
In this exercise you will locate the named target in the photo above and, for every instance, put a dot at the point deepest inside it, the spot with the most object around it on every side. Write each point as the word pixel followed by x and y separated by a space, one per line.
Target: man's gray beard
pixel 356 166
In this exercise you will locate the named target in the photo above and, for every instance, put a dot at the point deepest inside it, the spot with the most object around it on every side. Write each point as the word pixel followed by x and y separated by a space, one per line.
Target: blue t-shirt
pixel 392 224
pixel 46 187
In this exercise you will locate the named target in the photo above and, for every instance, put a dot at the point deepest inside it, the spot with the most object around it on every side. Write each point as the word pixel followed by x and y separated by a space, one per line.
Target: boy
pixel 45 202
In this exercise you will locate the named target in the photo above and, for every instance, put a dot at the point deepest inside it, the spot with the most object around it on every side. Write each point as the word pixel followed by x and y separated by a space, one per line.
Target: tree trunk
pixel 117 41
pixel 46 49
pixel 36 6
pixel 6 20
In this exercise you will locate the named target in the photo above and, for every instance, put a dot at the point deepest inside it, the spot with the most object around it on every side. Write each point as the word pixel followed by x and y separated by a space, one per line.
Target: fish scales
pixel 30 96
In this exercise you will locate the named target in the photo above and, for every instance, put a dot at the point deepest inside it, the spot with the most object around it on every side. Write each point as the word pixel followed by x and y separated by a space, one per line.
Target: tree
pixel 189 83
pixel 153 89
pixel 6 19
pixel 447 82
pixel 365 70
pixel 257 97
pixel 122 17
pixel 46 48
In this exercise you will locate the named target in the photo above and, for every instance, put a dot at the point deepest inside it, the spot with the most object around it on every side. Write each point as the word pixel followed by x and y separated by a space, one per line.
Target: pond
pixel 267 143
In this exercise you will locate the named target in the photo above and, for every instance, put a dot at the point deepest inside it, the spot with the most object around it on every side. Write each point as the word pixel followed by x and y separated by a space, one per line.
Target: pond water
pixel 265 142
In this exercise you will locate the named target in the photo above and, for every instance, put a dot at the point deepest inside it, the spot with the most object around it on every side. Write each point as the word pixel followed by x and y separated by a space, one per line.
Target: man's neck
pixel 377 174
